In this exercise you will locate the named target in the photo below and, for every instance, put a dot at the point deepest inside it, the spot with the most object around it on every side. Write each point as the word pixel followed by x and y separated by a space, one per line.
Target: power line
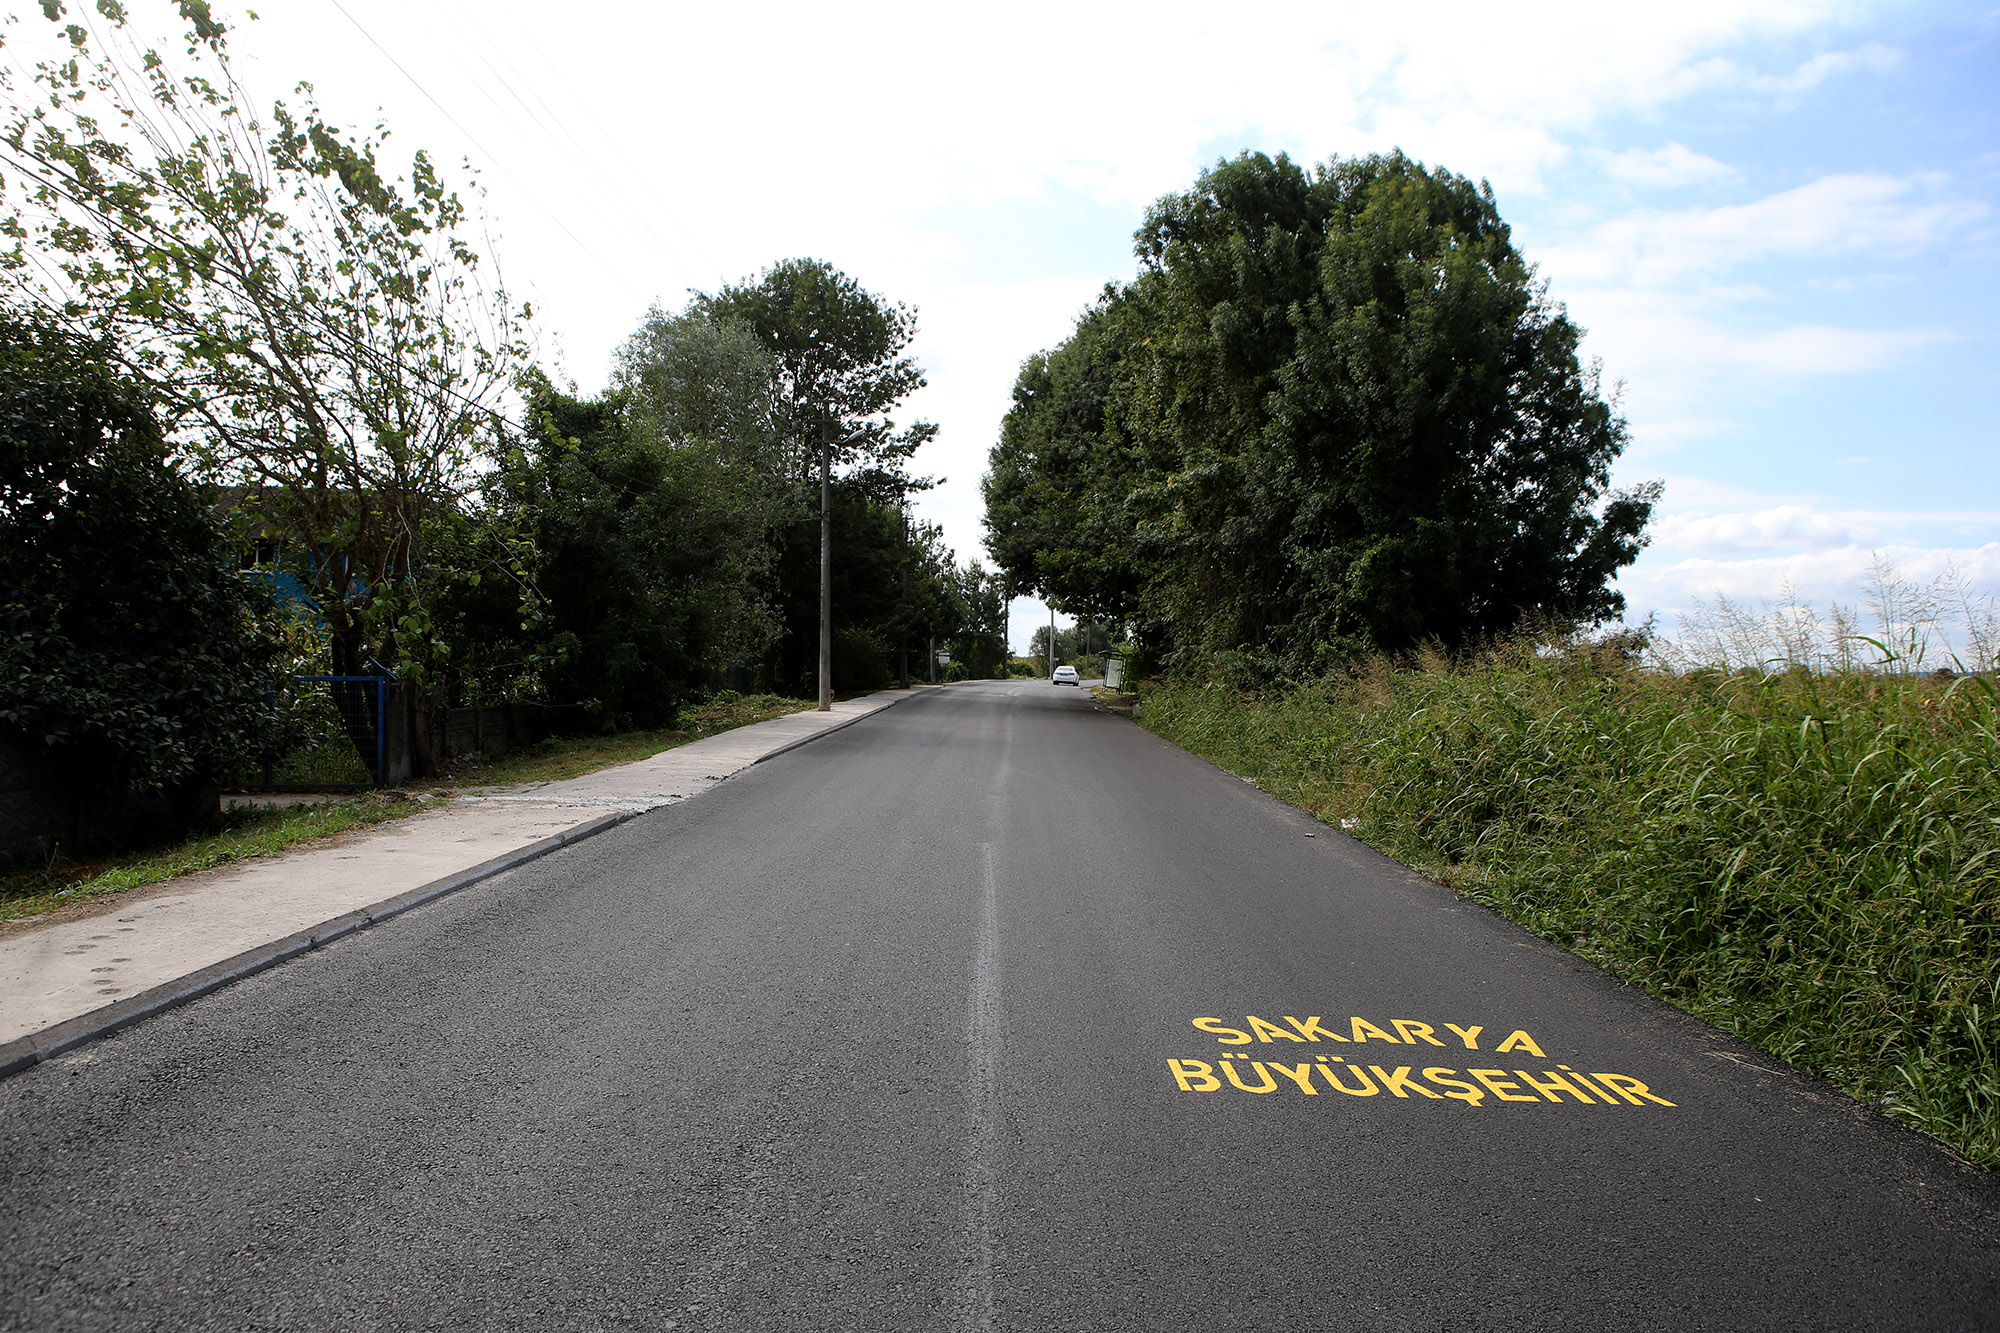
pixel 613 192
pixel 664 210
pixel 616 276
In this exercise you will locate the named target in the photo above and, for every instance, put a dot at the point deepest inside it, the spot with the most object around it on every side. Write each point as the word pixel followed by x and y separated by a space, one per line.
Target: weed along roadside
pixel 1808 860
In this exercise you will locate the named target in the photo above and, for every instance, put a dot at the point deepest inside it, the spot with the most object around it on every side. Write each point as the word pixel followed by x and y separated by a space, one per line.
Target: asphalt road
pixel 991 1011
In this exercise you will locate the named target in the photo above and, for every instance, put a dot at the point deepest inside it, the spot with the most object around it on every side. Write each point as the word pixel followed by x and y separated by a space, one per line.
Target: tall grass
pixel 1807 858
pixel 1906 625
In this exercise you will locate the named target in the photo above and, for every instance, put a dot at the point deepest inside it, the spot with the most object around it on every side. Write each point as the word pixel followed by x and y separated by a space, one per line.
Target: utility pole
pixel 1052 641
pixel 825 564
pixel 827 444
pixel 903 597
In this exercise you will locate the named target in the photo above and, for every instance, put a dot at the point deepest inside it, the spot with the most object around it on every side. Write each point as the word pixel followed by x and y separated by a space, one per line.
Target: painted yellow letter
pixel 1311 1030
pixel 1301 1074
pixel 1266 1031
pixel 1631 1089
pixel 1407 1026
pixel 1519 1040
pixel 1470 1036
pixel 1466 1093
pixel 1229 1068
pixel 1363 1030
pixel 1496 1084
pixel 1400 1080
pixel 1194 1075
pixel 1367 1089
pixel 1556 1083
pixel 1227 1036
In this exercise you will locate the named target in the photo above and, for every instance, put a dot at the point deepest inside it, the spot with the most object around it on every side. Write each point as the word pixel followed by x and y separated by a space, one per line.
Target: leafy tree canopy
pixel 1333 412
pixel 316 332
pixel 841 363
pixel 652 510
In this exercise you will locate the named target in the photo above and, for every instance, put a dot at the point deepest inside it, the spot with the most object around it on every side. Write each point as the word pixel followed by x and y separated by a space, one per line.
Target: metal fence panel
pixel 332 722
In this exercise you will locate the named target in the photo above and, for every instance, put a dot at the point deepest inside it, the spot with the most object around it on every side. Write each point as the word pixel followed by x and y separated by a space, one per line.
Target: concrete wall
pixel 456 732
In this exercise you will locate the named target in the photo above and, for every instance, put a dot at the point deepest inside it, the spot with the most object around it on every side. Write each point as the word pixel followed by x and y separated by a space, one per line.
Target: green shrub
pixel 134 657
pixel 1810 860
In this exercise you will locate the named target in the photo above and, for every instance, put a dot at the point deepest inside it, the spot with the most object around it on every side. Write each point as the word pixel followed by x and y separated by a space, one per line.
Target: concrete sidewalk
pixel 67 982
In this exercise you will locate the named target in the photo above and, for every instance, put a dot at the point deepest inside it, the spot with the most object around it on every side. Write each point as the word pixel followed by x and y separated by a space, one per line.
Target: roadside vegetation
pixel 235 835
pixel 561 757
pixel 246 832
pixel 1807 858
pixel 1333 413
pixel 266 414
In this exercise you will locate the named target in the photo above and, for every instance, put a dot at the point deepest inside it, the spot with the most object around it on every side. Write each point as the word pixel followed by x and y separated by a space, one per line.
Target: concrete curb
pixel 915 692
pixel 35 1047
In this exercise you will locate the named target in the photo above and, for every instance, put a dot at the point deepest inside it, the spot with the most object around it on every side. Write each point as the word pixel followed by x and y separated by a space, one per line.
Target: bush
pixel 1810 860
pixel 134 656
pixel 860 661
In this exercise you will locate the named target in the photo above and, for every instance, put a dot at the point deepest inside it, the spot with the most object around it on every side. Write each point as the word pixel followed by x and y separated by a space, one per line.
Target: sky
pixel 1778 222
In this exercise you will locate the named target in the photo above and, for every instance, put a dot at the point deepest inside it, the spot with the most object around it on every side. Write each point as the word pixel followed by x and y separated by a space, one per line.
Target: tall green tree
pixel 840 356
pixel 699 392
pixel 981 642
pixel 1333 412
pixel 653 510
pixel 840 361
pixel 1057 521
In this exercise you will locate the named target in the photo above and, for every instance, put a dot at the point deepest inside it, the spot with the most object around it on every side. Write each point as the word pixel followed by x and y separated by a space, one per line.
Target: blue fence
pixel 336 736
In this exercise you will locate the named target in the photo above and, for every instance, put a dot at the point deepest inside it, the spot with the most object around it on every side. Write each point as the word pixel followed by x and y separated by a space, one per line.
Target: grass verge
pixel 247 833
pixel 244 834
pixel 1808 860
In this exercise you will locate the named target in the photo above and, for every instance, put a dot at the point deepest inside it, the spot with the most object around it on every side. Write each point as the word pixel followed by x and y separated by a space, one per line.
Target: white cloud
pixel 977 105
pixel 1782 525
pixel 1713 538
pixel 1664 168
pixel 1874 58
pixel 1818 349
pixel 1674 348
pixel 1858 213
pixel 1839 574
pixel 689 145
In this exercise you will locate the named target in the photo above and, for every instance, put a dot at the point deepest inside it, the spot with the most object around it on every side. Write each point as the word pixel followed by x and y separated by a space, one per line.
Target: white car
pixel 1066 675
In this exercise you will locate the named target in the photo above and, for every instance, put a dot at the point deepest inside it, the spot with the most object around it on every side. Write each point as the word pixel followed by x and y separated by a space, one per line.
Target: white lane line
pixel 982 1044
